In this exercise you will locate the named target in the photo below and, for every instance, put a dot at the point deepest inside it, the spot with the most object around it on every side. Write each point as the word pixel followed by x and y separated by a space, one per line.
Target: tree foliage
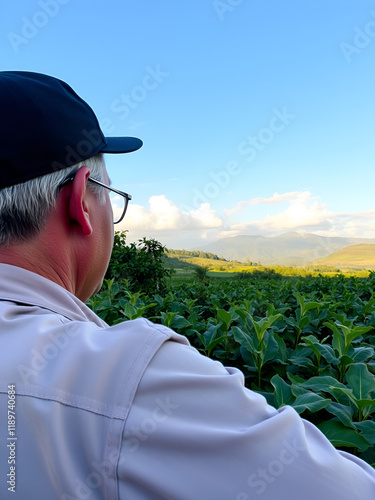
pixel 201 273
pixel 192 253
pixel 141 263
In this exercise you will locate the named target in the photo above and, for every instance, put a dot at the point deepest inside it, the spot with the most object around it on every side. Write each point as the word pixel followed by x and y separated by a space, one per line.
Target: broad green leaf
pixel 345 360
pixel 347 392
pixel 283 393
pixel 282 347
pixel 310 401
pixel 225 317
pixel 114 288
pixel 342 412
pixel 300 299
pixel 321 349
pixel 105 304
pixel 322 384
pixel 242 313
pixel 338 340
pixel 304 321
pixel 247 357
pixel 310 339
pixel 129 311
pixel 313 343
pixel 262 325
pixel 211 333
pixel 341 318
pixel 310 305
pixel 244 339
pixel 167 317
pixel 295 379
pixel 328 354
pixel 340 435
pixel 271 349
pixel 133 298
pixel 367 430
pixel 369 307
pixel 176 307
pixel 305 306
pixel 291 322
pixel 179 322
pixel 360 380
pixel 356 331
pixel 301 358
pixel 213 343
pixel 367 405
pixel 298 391
pixel 361 354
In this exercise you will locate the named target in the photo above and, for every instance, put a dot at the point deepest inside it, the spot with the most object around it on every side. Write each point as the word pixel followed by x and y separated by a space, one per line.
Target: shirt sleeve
pixel 195 432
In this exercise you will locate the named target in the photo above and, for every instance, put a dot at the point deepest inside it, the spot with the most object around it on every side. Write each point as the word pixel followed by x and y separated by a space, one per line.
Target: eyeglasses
pixel 125 198
pixel 119 209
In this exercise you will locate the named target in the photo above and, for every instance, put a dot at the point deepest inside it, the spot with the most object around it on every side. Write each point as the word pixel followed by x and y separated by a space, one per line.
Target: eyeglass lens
pixel 119 204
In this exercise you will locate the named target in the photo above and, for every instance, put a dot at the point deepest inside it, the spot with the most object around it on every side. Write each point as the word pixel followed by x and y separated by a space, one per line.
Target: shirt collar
pixel 22 286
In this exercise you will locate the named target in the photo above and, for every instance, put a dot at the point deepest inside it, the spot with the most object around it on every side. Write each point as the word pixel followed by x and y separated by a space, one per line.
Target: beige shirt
pixel 134 412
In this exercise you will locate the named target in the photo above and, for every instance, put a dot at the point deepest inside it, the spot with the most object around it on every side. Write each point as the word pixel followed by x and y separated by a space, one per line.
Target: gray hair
pixel 24 207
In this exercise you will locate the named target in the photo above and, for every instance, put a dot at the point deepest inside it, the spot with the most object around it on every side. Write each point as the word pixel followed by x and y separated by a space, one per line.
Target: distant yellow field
pixel 221 266
pixel 355 256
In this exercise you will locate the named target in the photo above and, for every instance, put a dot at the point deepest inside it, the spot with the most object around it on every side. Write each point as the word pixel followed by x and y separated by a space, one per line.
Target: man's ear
pixel 78 206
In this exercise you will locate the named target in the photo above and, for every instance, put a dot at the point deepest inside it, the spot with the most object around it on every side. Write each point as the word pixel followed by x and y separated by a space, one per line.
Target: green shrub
pixel 201 273
pixel 140 263
pixel 265 274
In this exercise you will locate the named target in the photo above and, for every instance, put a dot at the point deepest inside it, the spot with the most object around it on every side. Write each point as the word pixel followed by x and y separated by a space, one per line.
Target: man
pixel 89 411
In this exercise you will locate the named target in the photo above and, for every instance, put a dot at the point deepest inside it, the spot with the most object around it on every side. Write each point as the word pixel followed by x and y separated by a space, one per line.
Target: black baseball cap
pixel 45 126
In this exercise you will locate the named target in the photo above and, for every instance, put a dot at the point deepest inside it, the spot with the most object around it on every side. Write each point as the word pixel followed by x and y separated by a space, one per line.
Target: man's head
pixel 45 126
pixel 24 207
pixel 48 134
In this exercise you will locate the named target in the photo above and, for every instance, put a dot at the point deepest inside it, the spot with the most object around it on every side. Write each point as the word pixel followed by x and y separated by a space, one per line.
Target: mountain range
pixel 287 249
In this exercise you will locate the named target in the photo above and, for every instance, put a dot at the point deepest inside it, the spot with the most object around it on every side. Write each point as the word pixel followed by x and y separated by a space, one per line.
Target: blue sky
pixel 257 116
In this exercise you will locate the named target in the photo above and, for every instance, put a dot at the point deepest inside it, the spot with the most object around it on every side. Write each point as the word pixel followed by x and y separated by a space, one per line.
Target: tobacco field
pixel 306 342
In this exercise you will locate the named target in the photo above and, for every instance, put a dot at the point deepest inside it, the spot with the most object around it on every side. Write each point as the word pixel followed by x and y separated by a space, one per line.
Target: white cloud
pixel 357 224
pixel 164 215
pixel 304 212
pixel 176 227
pixel 273 200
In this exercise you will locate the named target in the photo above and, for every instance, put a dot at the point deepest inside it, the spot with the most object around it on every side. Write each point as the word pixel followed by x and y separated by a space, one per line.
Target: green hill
pixel 288 249
pixel 353 256
pixel 188 260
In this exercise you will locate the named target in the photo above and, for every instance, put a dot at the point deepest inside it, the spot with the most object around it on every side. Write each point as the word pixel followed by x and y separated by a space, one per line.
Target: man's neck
pixel 36 257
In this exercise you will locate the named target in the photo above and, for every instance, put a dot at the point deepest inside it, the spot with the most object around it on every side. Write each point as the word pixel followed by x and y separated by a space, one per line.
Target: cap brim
pixel 121 144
